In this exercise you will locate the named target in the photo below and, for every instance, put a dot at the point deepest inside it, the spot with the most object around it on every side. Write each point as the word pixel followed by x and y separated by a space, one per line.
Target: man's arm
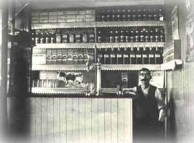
pixel 161 105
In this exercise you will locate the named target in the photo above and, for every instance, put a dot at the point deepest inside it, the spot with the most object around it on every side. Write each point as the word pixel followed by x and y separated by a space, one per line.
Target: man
pixel 148 109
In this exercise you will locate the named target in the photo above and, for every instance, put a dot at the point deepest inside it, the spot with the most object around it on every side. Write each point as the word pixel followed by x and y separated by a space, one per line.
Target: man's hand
pixel 162 115
pixel 131 91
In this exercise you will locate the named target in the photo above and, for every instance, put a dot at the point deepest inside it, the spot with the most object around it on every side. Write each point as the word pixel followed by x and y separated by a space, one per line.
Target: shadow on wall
pixel 171 119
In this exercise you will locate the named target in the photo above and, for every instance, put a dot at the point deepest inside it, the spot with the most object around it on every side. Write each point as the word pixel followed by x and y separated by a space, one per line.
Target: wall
pixel 179 84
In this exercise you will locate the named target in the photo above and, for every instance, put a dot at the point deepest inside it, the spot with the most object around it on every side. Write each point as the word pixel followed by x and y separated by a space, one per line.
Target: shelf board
pixel 171 65
pixel 97 24
pixel 129 67
pixel 63 25
pixel 78 67
pixel 129 23
pixel 65 45
pixel 132 44
pixel 40 90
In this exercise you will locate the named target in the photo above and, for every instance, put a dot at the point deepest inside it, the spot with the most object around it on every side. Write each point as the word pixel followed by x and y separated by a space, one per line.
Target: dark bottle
pixel 69 56
pixel 136 35
pixel 124 15
pixel 80 58
pixel 132 56
pixel 142 35
pixel 91 36
pixel 118 15
pixel 111 36
pixel 160 14
pixel 125 56
pixel 59 56
pixel 144 15
pixel 99 36
pixel 65 36
pixel 119 56
pixel 84 36
pixel 47 36
pixel 132 35
pixel 53 36
pixel 108 15
pixel 122 36
pixel 91 54
pixel 147 37
pixel 126 39
pixel 151 55
pixel 156 34
pixel 53 56
pixel 134 15
pixel 86 55
pixel 116 36
pixel 138 55
pixel 33 38
pixel 145 55
pixel 150 14
pixel 155 14
pixel 113 56
pixel 113 18
pixel 151 35
pixel 78 36
pixel 103 15
pixel 158 55
pixel 75 56
pixel 64 56
pixel 42 37
pixel 71 36
pixel 100 55
pixel 106 56
pixel 129 15
pixel 58 36
pixel 162 35
pixel 139 14
pixel 98 15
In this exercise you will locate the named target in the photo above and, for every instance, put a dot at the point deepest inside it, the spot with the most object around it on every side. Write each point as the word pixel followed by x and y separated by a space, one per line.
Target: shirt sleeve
pixel 160 99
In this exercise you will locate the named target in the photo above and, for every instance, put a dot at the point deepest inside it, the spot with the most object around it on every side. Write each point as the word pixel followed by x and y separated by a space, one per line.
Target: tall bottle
pixel 71 36
pixel 116 36
pixel 129 15
pixel 132 56
pixel 151 55
pixel 99 36
pixel 64 56
pixel 106 56
pixel 139 55
pixel 158 55
pixel 145 55
pixel 65 36
pixel 91 36
pixel 113 56
pixel 119 56
pixel 58 36
pixel 80 58
pixel 78 36
pixel 125 56
pixel 84 36
pixel 100 55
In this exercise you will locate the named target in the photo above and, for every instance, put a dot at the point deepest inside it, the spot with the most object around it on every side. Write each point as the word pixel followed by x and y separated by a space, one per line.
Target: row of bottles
pixel 131 34
pixel 137 13
pixel 69 56
pixel 70 35
pixel 133 55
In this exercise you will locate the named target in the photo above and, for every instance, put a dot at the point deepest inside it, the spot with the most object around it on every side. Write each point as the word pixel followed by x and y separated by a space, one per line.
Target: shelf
pixel 129 23
pixel 65 45
pixel 59 67
pixel 39 90
pixel 97 24
pixel 133 44
pixel 171 65
pixel 129 67
pixel 63 25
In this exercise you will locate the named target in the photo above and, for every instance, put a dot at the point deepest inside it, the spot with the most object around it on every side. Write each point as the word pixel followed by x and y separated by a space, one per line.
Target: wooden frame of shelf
pixel 97 24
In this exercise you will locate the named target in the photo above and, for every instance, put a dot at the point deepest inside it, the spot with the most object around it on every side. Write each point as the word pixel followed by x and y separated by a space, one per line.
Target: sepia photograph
pixel 96 71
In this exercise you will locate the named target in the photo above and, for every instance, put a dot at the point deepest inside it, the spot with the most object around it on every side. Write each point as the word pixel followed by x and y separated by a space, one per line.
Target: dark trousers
pixel 148 132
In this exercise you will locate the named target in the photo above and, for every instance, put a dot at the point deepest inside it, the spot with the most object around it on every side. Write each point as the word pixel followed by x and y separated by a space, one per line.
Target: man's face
pixel 144 77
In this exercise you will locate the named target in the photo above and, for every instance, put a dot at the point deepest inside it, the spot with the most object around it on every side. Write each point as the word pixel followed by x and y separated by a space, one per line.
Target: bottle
pixel 129 15
pixel 99 36
pixel 58 36
pixel 139 14
pixel 151 55
pixel 116 36
pixel 134 15
pixel 48 36
pixel 106 56
pixel 53 56
pixel 75 56
pixel 126 39
pixel 145 55
pixel 65 36
pixel 64 56
pixel 77 36
pixel 118 15
pixel 33 38
pixel 160 14
pixel 147 38
pixel 42 37
pixel 53 36
pixel 162 35
pixel 132 35
pixel 80 58
pixel 125 56
pixel 71 36
pixel 158 55
pixel 156 35
pixel 155 15
pixel 113 18
pixel 122 36
pixel 136 35
pixel 111 36
pixel 151 35
pixel 91 36
pixel 59 56
pixel 132 56
pixel 113 56
pixel 119 56
pixel 84 36
pixel 138 55
pixel 144 15
pixel 142 35
pixel 103 15
pixel 124 15
pixel 100 55
pixel 86 55
pixel 108 15
pixel 150 15
pixel 69 56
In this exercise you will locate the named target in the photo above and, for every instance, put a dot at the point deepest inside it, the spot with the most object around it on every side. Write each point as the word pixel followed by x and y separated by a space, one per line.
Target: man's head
pixel 144 76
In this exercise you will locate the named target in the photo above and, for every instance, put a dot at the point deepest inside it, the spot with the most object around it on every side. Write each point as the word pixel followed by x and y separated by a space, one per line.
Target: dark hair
pixel 145 69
